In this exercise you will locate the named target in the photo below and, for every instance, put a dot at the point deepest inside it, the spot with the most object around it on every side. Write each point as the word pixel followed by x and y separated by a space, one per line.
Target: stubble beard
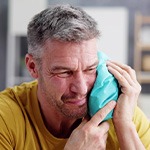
pixel 69 111
pixel 73 112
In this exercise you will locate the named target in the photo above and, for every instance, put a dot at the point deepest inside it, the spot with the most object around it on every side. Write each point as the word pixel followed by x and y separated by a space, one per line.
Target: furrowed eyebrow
pixel 93 65
pixel 56 68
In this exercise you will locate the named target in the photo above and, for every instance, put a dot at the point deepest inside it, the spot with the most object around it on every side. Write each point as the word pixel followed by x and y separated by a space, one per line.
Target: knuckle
pixel 134 72
pixel 128 68
pixel 85 129
pixel 102 146
pixel 130 91
pixel 121 78
pixel 99 140
pixel 139 87
pixel 106 125
pixel 134 90
pixel 124 73
pixel 102 114
pixel 96 135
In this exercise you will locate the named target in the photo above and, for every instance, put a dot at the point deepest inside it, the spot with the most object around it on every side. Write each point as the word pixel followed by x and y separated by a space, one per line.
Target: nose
pixel 79 84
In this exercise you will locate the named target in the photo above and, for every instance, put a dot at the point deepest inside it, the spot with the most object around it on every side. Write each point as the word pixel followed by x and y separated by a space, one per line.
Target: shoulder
pixel 9 110
pixel 13 113
pixel 11 120
pixel 139 117
pixel 12 106
pixel 142 124
pixel 140 120
pixel 12 99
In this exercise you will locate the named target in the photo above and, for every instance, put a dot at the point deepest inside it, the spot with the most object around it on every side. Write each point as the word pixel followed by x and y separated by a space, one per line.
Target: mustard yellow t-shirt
pixel 22 127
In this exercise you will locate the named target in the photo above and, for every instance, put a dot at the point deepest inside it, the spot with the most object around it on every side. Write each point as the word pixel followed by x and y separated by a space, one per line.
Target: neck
pixel 57 124
pixel 63 129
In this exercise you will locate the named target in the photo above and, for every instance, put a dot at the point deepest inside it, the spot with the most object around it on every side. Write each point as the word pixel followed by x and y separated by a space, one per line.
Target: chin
pixel 75 114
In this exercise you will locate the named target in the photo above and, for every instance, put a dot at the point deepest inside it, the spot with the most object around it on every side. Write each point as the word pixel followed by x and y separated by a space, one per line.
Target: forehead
pixel 68 52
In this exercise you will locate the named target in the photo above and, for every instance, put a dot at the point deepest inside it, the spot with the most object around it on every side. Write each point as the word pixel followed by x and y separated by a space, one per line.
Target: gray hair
pixel 61 22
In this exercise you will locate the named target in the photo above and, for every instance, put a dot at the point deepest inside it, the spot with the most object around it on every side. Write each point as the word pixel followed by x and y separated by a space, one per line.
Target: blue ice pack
pixel 105 88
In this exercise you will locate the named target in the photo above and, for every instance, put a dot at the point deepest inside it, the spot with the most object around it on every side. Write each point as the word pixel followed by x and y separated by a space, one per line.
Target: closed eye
pixel 64 74
pixel 91 70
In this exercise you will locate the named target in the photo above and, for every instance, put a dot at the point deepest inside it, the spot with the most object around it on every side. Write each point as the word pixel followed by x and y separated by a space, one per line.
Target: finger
pixel 104 127
pixel 121 75
pixel 105 136
pixel 102 113
pixel 103 142
pixel 126 78
pixel 84 120
pixel 103 130
pixel 125 67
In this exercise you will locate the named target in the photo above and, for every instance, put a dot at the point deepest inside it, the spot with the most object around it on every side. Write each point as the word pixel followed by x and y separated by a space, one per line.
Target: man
pixel 51 112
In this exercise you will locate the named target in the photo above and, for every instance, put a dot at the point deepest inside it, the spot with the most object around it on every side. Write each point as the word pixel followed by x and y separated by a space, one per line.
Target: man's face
pixel 67 75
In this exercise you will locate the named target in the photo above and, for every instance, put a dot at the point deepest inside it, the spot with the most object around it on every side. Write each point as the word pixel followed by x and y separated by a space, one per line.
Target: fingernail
pixel 113 103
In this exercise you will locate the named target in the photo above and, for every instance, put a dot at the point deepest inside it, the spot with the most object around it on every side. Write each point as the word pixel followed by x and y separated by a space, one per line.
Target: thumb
pixel 101 114
pixel 84 121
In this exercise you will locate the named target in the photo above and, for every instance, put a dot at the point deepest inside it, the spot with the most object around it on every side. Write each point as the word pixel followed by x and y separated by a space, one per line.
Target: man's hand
pixel 130 90
pixel 91 134
pixel 124 110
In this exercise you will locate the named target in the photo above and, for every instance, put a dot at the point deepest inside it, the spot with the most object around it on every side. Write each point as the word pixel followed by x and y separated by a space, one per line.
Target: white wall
pixel 113 24
pixel 21 12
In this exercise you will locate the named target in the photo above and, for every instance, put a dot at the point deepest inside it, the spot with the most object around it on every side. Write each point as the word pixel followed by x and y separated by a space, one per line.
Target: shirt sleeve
pixel 8 128
pixel 5 136
pixel 142 124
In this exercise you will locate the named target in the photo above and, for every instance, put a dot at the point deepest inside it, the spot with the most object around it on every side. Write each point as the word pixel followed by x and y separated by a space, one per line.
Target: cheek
pixel 91 81
pixel 59 84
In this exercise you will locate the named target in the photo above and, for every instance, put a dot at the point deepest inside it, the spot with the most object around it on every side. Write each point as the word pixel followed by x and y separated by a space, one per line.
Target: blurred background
pixel 125 36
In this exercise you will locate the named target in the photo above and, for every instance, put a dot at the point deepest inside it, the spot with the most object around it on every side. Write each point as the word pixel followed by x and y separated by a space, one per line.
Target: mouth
pixel 78 102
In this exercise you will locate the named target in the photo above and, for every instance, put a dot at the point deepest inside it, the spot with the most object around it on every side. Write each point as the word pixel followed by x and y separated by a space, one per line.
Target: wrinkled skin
pixel 64 82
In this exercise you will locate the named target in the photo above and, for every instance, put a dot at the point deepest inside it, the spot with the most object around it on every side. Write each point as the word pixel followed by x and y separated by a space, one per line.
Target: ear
pixel 31 66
